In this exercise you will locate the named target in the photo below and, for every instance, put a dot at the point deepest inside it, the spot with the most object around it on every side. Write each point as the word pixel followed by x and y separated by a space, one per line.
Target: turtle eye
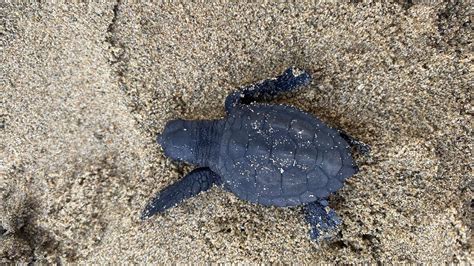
pixel 183 138
pixel 175 125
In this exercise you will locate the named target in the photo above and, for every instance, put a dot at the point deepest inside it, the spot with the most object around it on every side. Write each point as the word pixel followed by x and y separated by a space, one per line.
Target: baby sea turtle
pixel 269 154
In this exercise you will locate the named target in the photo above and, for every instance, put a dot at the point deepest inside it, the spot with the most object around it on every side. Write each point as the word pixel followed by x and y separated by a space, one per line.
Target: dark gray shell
pixel 279 155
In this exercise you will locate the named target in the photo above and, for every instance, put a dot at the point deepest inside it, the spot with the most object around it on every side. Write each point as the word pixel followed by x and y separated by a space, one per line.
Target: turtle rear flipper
pixel 196 181
pixel 323 220
pixel 268 89
pixel 360 146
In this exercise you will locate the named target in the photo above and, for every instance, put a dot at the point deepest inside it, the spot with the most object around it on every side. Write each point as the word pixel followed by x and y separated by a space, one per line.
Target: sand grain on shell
pixel 85 88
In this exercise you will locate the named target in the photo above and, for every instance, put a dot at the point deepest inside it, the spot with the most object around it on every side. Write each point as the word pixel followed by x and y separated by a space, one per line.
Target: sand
pixel 86 87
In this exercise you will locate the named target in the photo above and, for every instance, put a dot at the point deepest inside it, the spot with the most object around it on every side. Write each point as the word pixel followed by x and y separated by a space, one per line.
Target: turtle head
pixel 186 140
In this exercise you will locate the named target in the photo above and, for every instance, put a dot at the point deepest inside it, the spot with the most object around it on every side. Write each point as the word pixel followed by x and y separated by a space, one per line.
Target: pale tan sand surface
pixel 86 87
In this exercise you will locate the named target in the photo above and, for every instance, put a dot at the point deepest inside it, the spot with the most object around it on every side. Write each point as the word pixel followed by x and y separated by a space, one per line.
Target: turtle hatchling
pixel 268 154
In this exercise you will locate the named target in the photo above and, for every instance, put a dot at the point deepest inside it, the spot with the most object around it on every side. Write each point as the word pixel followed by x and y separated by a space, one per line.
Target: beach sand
pixel 86 87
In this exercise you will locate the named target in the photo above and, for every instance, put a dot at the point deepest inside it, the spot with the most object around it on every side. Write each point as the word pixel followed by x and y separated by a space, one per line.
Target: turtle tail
pixel 196 181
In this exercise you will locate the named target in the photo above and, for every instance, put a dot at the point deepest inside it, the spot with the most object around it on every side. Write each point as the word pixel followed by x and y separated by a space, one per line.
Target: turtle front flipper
pixel 323 220
pixel 196 181
pixel 269 88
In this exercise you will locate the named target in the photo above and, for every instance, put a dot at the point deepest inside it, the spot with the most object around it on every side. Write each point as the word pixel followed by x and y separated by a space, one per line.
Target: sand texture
pixel 86 87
